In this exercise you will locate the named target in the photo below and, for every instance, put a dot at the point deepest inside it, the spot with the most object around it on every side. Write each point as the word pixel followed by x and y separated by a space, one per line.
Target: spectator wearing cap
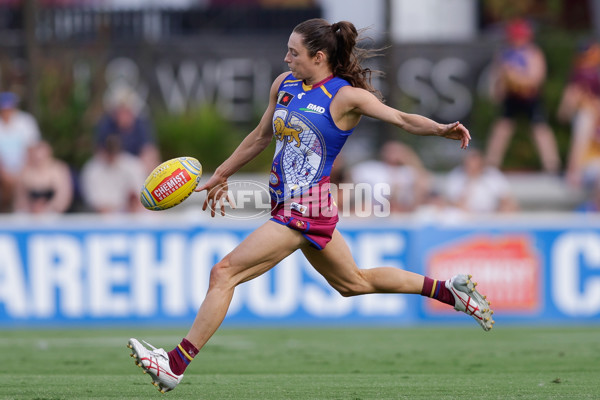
pixel 519 75
pixel 125 119
pixel 18 131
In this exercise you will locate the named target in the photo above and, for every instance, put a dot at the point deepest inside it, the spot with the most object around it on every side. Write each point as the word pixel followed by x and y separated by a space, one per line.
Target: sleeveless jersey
pixel 308 141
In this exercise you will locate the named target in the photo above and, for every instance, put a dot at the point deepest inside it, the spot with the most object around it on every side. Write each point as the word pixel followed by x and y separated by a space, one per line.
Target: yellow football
pixel 171 183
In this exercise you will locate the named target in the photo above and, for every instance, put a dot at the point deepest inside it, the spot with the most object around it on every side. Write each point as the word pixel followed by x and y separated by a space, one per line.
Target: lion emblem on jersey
pixel 282 131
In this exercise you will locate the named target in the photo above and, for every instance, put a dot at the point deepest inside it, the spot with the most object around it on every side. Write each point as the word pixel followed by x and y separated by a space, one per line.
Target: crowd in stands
pixel 34 181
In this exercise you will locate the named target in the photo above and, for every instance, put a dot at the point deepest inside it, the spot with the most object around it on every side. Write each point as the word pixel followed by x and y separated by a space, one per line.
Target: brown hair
pixel 338 42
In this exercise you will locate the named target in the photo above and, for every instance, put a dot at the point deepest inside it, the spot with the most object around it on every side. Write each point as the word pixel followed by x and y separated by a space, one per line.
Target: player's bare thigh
pixel 336 264
pixel 259 252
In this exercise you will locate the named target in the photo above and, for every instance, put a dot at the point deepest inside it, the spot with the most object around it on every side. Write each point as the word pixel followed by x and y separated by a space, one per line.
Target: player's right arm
pixel 248 149
pixel 350 103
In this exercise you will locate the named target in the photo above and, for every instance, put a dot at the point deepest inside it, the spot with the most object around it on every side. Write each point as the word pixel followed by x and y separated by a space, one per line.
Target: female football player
pixel 312 110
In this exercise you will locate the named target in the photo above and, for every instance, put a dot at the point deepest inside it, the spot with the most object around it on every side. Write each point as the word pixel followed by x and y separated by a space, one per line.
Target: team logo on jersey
pixel 283 132
pixel 274 179
pixel 312 108
pixel 284 98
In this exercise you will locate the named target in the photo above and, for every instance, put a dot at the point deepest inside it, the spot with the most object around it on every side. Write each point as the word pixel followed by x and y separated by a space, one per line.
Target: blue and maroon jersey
pixel 308 141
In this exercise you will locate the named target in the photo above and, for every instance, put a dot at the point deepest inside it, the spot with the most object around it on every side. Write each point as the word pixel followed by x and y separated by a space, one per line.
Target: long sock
pixel 181 356
pixel 437 290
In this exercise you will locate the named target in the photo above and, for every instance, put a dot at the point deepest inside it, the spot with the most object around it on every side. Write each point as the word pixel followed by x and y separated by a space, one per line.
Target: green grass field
pixel 331 363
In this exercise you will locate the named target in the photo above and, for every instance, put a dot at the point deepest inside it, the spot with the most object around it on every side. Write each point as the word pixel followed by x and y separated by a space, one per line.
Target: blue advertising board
pixel 93 271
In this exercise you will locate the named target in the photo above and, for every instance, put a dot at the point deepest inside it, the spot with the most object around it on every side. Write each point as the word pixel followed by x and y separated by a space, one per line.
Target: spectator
pixel 111 180
pixel 592 203
pixel 520 76
pixel 124 119
pixel 478 188
pixel 436 209
pixel 18 131
pixel 580 104
pixel 401 170
pixel 583 88
pixel 583 159
pixel 44 184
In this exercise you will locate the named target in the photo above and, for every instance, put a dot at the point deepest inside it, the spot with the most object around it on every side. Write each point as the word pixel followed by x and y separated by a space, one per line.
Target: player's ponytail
pixel 338 42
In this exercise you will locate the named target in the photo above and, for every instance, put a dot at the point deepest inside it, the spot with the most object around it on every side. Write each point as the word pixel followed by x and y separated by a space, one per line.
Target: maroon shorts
pixel 316 220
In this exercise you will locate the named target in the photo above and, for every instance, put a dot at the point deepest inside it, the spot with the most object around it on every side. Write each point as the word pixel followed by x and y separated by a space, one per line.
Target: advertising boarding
pixel 96 271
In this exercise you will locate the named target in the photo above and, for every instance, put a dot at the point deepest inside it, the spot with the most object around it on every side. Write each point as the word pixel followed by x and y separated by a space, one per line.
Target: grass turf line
pixel 286 363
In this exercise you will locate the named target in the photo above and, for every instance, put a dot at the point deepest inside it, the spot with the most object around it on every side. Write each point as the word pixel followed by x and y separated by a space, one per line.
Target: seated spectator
pixel 400 168
pixel 435 209
pixel 112 179
pixel 18 131
pixel 44 184
pixel 124 119
pixel 592 203
pixel 477 188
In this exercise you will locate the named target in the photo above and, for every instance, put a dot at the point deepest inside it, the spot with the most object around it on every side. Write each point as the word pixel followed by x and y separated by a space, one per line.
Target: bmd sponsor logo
pixel 507 269
pixel 313 108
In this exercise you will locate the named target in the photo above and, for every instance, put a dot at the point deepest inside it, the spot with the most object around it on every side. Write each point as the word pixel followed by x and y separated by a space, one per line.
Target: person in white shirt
pixel 18 131
pixel 479 188
pixel 401 170
pixel 111 180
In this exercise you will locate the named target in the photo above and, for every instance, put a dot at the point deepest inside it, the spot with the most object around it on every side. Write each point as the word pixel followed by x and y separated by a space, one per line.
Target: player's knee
pixel 355 286
pixel 221 272
pixel 348 289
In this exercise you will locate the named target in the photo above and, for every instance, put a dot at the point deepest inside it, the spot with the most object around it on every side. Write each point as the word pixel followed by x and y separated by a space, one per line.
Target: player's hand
pixel 457 131
pixel 217 192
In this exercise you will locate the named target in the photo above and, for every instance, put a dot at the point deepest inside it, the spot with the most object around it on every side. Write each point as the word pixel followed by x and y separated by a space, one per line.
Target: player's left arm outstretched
pixel 354 102
pixel 252 145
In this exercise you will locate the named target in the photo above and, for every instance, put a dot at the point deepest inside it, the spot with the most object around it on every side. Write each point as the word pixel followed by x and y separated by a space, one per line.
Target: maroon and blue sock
pixel 437 290
pixel 181 356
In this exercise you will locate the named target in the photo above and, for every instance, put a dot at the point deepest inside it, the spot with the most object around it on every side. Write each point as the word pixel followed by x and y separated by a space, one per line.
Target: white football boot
pixel 154 362
pixel 470 301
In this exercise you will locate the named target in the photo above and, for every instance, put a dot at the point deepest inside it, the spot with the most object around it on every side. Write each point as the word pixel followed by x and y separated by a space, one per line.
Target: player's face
pixel 297 57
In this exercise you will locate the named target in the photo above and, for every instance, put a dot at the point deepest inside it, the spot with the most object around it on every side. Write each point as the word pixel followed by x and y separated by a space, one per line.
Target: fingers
pixel 216 200
pixel 230 200
pixel 222 206
pixel 464 142
pixel 462 134
pixel 465 137
pixel 207 204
